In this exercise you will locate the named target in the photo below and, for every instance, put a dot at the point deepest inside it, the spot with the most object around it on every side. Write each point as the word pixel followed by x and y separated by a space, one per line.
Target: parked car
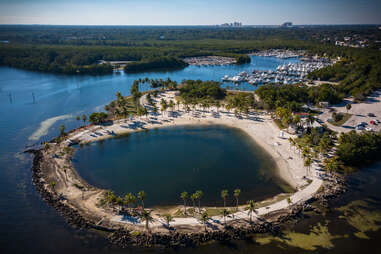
pixel 360 127
pixel 372 122
pixel 371 115
pixel 363 123
pixel 368 129
pixel 377 121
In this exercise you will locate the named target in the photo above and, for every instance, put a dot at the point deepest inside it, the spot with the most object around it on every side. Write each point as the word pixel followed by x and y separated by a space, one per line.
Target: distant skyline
pixel 195 12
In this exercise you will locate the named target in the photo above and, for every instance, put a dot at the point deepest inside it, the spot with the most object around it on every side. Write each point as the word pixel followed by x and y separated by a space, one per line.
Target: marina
pixel 290 73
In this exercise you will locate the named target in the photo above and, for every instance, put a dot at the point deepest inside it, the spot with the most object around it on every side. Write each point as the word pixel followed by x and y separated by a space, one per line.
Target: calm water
pixel 165 162
pixel 29 225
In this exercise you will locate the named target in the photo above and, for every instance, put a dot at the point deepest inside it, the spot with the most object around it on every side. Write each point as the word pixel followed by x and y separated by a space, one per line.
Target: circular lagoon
pixel 166 161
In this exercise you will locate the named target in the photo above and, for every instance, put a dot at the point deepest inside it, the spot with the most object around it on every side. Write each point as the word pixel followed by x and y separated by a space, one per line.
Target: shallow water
pixel 29 225
pixel 166 161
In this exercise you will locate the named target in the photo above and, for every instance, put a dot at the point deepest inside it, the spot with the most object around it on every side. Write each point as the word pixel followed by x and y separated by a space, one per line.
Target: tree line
pixel 294 97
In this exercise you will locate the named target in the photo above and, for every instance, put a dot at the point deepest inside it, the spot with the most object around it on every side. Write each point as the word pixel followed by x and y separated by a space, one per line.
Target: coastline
pixel 54 164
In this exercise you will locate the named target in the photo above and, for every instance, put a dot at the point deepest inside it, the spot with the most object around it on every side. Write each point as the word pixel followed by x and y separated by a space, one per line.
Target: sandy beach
pixel 257 125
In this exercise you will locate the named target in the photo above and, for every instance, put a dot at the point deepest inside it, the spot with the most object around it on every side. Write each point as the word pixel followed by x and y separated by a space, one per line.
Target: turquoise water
pixel 167 161
pixel 29 225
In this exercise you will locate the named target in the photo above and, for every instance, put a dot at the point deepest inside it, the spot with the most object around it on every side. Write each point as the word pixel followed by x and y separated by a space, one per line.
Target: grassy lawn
pixel 345 118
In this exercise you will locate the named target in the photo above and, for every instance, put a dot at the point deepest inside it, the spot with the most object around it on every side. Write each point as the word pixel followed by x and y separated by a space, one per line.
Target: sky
pixel 186 12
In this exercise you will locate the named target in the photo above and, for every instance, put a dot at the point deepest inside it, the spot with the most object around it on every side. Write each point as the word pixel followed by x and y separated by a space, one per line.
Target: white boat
pixel 226 78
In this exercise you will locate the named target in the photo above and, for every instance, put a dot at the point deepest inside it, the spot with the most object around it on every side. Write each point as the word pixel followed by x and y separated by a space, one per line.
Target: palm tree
pixel 308 163
pixel 194 198
pixel 78 118
pixel 184 197
pixel 146 216
pixel 348 107
pixel 110 197
pixel 62 130
pixel 129 199
pixel 168 218
pixel 171 105
pixel 141 196
pixel 204 219
pixel 225 213
pixel 84 118
pixel 224 195
pixel 251 204
pixel 119 201
pixel 305 152
pixel 332 165
pixel 199 196
pixel 236 195
pixel 218 105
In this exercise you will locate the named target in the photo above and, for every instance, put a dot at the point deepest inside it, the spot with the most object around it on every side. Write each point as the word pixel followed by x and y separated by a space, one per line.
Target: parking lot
pixel 366 113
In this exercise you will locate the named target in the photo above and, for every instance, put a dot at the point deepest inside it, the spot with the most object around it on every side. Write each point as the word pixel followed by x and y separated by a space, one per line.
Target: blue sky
pixel 183 12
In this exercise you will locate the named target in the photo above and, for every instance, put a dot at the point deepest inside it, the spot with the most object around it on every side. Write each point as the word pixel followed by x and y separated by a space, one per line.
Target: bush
pixel 97 118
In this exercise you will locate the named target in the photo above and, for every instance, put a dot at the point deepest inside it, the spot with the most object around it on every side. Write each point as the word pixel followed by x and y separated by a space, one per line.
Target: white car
pixel 377 121
pixel 368 129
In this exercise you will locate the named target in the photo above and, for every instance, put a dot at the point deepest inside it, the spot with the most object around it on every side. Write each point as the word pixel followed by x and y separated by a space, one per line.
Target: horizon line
pixel 214 25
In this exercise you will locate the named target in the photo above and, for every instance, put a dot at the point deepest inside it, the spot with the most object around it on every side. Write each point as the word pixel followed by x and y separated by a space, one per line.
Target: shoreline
pixel 54 164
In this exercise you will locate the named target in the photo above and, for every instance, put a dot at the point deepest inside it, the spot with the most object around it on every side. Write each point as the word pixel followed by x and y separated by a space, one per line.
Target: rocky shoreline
pixel 269 223
pixel 71 215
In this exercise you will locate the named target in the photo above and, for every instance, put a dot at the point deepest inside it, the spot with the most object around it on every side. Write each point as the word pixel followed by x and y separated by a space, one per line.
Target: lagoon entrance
pixel 166 161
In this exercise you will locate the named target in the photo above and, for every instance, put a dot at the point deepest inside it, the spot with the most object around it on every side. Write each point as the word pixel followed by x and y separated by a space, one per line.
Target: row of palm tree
pixel 128 200
pixel 225 194
pixel 324 143
pixel 82 118
pixel 198 195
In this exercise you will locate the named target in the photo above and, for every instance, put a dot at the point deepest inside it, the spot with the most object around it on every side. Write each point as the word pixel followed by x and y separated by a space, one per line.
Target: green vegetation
pixel 141 196
pixel 358 149
pixel 236 194
pixel 359 74
pixel 146 216
pixel 293 97
pixel 251 209
pixel 204 219
pixel 224 195
pixel 168 218
pixel 62 130
pixel 197 90
pixel 98 117
pixel 184 197
pixel 340 118
pixel 243 59
pixel 155 64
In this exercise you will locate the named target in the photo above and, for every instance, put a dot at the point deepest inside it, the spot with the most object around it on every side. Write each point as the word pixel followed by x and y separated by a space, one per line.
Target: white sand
pixel 257 125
